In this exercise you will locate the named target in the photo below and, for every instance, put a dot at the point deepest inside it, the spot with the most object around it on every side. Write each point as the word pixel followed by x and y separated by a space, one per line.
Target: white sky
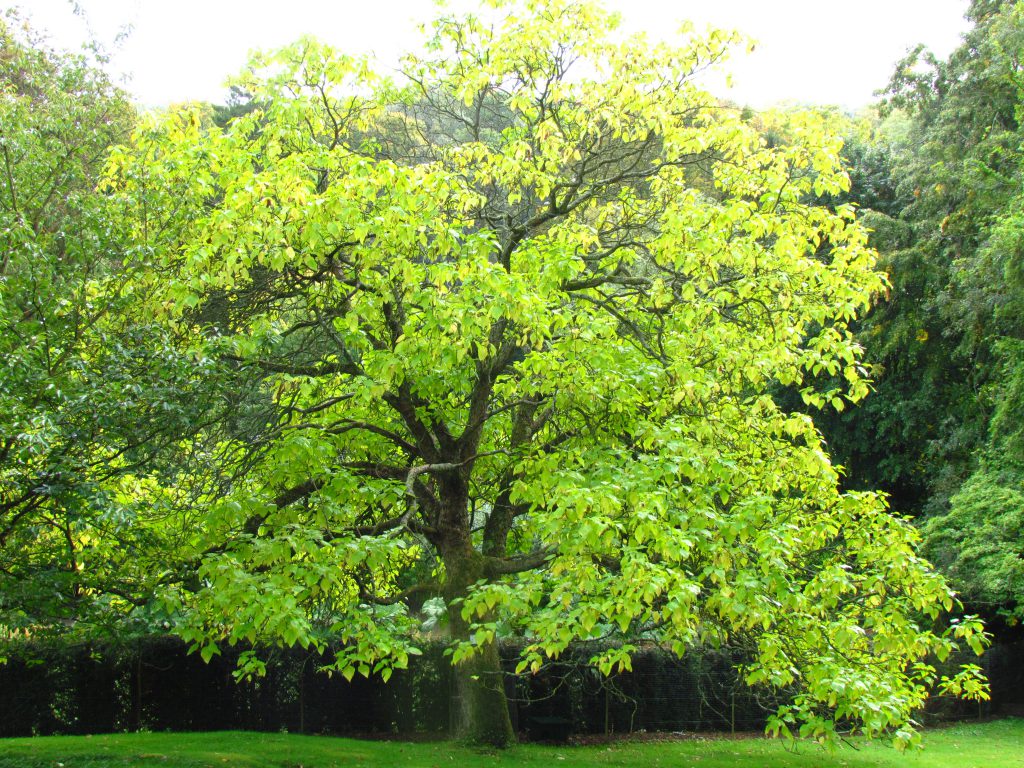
pixel 810 51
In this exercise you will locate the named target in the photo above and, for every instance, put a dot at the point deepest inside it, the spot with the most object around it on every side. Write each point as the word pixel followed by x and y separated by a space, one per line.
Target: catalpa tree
pixel 517 314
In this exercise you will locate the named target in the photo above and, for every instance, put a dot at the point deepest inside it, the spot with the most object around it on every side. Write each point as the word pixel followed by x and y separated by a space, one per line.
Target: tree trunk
pixel 480 711
pixel 480 708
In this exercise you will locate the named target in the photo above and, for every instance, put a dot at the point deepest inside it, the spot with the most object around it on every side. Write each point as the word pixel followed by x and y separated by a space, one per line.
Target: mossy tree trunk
pixel 480 714
pixel 480 708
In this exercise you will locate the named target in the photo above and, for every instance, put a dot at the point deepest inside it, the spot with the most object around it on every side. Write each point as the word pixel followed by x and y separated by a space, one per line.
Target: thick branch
pixel 430 588
pixel 469 441
pixel 413 491
pixel 313 371
pixel 498 566
pixel 427 444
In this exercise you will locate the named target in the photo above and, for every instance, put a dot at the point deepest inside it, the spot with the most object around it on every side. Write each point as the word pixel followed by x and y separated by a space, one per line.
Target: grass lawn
pixel 990 745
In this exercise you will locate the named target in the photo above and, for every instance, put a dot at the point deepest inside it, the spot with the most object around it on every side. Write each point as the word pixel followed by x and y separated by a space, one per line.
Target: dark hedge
pixel 156 684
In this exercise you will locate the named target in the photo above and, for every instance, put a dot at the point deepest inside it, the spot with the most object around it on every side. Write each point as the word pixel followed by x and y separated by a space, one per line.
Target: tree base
pixel 480 711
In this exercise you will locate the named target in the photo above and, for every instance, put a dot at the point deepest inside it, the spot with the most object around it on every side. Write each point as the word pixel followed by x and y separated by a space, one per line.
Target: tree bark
pixel 480 711
pixel 480 708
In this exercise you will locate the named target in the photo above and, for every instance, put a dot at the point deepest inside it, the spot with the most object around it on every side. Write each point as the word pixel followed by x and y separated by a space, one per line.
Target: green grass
pixel 990 745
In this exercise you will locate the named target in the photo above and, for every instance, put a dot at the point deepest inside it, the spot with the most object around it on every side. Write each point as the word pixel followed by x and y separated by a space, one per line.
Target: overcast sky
pixel 809 51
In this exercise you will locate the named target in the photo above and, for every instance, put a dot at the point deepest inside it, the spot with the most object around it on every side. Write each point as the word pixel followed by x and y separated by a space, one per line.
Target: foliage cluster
pixel 98 402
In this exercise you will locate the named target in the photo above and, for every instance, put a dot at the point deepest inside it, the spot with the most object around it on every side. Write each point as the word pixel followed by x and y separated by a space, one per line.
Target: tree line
pixel 938 179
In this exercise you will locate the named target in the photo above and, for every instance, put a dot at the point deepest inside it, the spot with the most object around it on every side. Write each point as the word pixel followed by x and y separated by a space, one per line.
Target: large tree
pixel 517 314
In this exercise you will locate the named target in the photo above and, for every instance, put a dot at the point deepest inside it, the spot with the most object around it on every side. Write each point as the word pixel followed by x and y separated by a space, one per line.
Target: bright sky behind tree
pixel 809 51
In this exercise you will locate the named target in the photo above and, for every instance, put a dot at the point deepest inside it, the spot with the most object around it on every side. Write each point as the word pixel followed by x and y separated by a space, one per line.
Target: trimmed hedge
pixel 156 684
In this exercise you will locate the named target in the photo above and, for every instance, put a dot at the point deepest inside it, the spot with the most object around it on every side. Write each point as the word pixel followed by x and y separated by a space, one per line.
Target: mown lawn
pixel 990 745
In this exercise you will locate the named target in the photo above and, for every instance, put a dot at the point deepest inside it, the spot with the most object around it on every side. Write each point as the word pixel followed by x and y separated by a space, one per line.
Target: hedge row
pixel 156 684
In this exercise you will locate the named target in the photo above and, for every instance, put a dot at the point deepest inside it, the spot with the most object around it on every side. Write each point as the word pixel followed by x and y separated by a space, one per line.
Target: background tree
pixel 518 329
pixel 95 398
pixel 941 434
